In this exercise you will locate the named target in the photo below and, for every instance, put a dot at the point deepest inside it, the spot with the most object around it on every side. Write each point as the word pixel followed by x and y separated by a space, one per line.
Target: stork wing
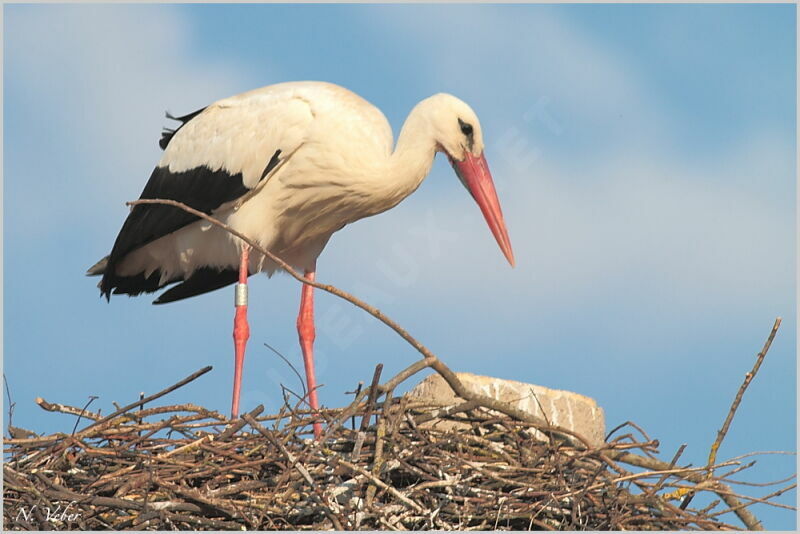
pixel 218 155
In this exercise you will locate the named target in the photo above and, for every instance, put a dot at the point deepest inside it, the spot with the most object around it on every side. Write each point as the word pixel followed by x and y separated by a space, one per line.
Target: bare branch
pixel 722 432
pixel 153 397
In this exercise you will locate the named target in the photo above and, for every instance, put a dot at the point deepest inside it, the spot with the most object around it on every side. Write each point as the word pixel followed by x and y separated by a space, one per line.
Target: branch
pixel 64 408
pixel 153 397
pixel 722 490
pixel 712 456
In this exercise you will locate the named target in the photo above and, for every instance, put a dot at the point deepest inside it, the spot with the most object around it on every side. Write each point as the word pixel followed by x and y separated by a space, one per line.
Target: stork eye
pixel 466 128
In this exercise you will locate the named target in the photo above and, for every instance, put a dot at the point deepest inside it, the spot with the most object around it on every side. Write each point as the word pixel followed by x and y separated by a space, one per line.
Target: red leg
pixel 241 330
pixel 305 328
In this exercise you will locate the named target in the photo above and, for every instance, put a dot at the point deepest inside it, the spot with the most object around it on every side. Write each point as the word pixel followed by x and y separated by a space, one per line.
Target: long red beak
pixel 474 173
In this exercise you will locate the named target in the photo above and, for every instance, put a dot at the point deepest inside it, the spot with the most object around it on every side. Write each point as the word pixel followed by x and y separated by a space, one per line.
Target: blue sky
pixel 644 156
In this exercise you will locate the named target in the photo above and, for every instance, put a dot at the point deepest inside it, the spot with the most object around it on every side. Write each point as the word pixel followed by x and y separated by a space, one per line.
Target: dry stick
pixel 386 388
pixel 380 435
pixel 682 471
pixel 409 371
pixel 78 420
pixel 380 483
pixel 65 408
pixel 139 417
pixel 62 493
pixel 291 366
pixel 156 428
pixel 765 500
pixel 153 397
pixel 430 360
pixel 373 395
pixel 10 402
pixel 712 457
pixel 629 423
pixel 664 477
pixel 721 433
pixel 199 411
pixel 237 425
pixel 747 517
pixel 447 411
pixel 759 453
pixel 355 393
pixel 760 484
pixel 637 427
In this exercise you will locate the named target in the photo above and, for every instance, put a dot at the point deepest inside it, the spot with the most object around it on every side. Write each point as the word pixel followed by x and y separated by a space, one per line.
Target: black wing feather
pixel 168 133
pixel 201 188
pixel 135 285
pixel 202 281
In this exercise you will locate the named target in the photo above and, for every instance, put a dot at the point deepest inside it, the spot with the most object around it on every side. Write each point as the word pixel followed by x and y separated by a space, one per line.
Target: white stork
pixel 286 165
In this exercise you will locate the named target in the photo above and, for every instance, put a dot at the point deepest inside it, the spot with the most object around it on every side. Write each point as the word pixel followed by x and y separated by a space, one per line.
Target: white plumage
pixel 336 167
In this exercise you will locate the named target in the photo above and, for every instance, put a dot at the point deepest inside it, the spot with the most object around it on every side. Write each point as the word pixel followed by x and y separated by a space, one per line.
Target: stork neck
pixel 412 158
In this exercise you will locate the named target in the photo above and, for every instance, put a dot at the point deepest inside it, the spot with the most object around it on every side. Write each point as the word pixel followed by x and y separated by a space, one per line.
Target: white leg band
pixel 241 295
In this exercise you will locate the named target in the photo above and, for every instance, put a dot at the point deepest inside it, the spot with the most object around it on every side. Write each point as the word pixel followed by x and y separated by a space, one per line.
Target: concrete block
pixel 563 408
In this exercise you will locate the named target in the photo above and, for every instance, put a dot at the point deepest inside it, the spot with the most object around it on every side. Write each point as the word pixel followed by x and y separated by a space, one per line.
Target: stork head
pixel 458 134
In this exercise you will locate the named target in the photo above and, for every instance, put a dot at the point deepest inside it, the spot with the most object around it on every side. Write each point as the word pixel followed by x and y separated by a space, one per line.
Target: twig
pixel 380 483
pixel 83 412
pixel 762 500
pixel 373 395
pixel 292 367
pixel 10 402
pixel 153 397
pixel 761 484
pixel 721 433
pixel 64 408
pixel 712 457
pixel 237 425
pixel 750 520
pixel 355 393
pixel 664 477
pixel 380 434
pixel 447 411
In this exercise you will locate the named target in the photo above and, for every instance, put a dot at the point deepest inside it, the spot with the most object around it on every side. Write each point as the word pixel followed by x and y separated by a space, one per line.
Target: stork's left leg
pixel 241 330
pixel 305 328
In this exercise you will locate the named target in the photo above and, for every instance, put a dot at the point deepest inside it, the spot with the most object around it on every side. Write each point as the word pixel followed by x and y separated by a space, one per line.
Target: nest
pixel 381 465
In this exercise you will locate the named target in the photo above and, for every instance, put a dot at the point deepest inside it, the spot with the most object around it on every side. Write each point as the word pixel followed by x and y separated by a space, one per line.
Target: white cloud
pixel 99 78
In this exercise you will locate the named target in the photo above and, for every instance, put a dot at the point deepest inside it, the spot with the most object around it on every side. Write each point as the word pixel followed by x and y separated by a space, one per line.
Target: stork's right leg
pixel 305 328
